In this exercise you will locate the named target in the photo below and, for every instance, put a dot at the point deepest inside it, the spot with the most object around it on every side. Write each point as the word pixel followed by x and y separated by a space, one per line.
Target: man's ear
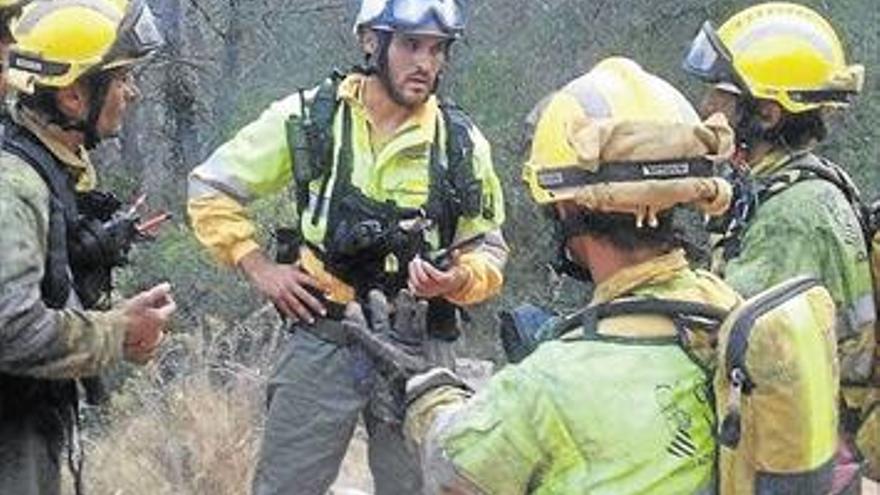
pixel 369 41
pixel 73 101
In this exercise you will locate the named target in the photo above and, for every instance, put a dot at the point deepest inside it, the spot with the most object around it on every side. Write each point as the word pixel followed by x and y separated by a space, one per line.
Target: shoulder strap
pixel 310 136
pixel 699 316
pixel 807 166
pixel 56 284
pixel 454 191
pixel 738 341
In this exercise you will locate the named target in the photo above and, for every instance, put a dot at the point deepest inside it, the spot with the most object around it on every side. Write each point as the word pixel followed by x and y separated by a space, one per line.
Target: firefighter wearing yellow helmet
pixel 9 9
pixel 613 153
pixel 71 83
pixel 777 69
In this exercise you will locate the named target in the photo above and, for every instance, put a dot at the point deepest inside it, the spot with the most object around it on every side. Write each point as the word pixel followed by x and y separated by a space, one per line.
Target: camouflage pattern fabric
pixel 36 341
pixel 811 229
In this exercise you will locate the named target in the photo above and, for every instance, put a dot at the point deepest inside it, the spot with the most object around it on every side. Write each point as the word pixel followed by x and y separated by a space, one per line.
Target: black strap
pixel 695 315
pixel 52 402
pixel 63 212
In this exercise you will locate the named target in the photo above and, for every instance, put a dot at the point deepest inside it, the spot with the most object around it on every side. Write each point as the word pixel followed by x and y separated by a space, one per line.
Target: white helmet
pixel 433 17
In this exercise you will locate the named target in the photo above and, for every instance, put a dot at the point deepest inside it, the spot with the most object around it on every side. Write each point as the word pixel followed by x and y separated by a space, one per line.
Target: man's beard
pixel 396 95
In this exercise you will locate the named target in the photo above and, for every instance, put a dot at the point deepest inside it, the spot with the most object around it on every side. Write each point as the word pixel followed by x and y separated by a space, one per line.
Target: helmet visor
pixel 138 35
pixel 708 58
pixel 447 15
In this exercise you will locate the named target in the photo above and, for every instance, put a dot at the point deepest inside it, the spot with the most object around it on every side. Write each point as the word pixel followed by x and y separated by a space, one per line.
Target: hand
pixel 428 281
pixel 147 315
pixel 289 288
pixel 395 347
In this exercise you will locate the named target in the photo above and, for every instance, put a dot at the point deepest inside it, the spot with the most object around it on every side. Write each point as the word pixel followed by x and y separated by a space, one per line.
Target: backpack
pixel 862 417
pixel 454 192
pixel 775 379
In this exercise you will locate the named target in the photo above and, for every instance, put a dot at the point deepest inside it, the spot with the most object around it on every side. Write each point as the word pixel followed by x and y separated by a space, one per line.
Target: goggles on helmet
pixel 138 35
pixel 441 16
pixel 711 61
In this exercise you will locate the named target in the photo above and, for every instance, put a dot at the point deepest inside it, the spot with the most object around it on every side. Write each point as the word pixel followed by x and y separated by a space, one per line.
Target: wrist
pixel 253 263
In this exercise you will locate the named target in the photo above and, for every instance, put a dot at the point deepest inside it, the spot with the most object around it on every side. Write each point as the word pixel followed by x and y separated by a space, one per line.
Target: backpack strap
pixel 310 137
pixel 63 213
pixel 684 314
pixel 750 193
pixel 454 191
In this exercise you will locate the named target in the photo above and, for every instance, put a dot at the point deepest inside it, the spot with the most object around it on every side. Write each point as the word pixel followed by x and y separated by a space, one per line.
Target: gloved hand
pixel 423 383
pixel 395 347
pixel 410 328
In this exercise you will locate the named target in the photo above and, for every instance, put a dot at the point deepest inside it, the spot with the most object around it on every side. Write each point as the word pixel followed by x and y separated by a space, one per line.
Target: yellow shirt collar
pixel 78 162
pixel 775 161
pixel 424 117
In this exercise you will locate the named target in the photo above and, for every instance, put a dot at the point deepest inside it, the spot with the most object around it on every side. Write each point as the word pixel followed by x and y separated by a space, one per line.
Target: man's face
pixel 121 92
pixel 414 63
pixel 717 100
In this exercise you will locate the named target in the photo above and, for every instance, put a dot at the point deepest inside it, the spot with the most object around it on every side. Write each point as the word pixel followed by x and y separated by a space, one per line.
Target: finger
pixel 354 313
pixel 421 318
pixel 435 274
pixel 379 310
pixel 297 307
pixel 314 305
pixel 155 296
pixel 419 281
pixel 403 304
pixel 164 312
pixel 287 305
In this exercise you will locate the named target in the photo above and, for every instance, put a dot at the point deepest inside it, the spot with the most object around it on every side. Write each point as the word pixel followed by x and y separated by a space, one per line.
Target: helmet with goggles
pixel 59 41
pixel 444 18
pixel 776 51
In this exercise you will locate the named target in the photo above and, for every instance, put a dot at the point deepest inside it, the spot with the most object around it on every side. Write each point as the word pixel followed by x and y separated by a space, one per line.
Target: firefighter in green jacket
pixel 384 174
pixel 67 54
pixel 618 407
pixel 777 70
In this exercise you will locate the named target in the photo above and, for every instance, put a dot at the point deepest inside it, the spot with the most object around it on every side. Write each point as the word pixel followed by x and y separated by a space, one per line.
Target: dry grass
pixel 190 424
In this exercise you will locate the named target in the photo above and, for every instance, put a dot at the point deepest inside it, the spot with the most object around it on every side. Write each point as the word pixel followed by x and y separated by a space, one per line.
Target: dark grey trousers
pixel 29 459
pixel 315 396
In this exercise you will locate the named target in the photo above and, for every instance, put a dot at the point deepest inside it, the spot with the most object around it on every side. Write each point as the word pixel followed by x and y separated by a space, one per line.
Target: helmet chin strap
pixel 100 86
pixel 563 230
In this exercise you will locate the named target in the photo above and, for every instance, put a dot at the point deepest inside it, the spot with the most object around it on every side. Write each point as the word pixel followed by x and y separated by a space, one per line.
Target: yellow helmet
pixel 613 137
pixel 777 51
pixel 58 41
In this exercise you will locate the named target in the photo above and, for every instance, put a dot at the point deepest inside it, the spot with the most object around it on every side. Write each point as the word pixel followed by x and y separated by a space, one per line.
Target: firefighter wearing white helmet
pixel 372 155
pixel 70 75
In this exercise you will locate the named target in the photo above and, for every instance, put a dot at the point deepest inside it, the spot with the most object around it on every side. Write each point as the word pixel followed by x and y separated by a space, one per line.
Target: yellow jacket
pixel 257 162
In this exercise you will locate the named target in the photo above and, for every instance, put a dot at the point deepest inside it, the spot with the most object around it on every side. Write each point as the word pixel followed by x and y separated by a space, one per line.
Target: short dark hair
pixel 621 231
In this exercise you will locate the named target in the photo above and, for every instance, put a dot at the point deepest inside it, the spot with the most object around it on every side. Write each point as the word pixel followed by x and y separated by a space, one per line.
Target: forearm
pixel 41 342
pixel 222 225
pixel 484 268
pixel 426 420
